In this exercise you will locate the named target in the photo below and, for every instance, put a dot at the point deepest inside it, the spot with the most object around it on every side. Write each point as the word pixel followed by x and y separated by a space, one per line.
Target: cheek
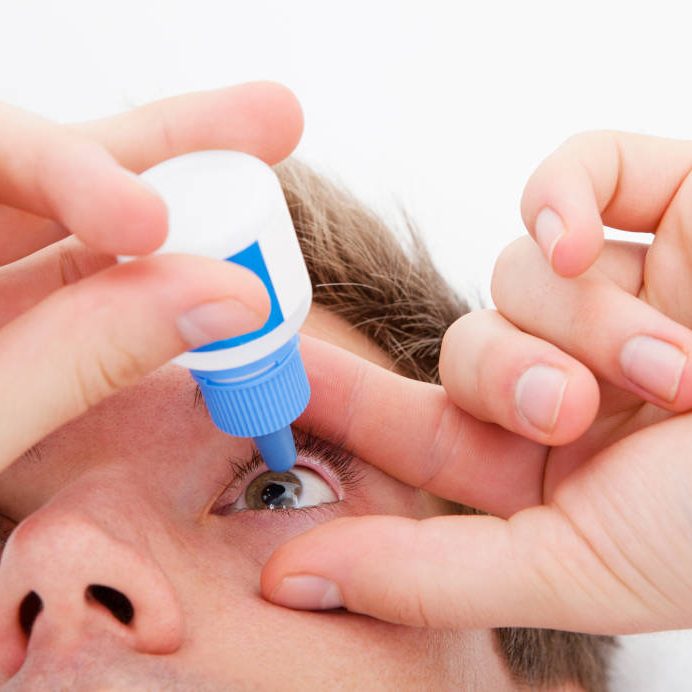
pixel 251 537
pixel 232 630
pixel 381 494
pixel 229 551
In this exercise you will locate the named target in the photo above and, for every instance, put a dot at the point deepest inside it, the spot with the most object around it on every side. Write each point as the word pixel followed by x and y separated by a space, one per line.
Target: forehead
pixel 327 326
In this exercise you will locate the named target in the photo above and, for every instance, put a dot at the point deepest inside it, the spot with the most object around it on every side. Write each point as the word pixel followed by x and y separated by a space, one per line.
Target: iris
pixel 272 490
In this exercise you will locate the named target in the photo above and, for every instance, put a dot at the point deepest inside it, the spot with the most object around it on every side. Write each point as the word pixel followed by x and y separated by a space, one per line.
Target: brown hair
pixel 387 287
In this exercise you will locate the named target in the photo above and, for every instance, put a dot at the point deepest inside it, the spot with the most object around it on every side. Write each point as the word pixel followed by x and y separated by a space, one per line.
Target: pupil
pixel 272 492
pixel 280 495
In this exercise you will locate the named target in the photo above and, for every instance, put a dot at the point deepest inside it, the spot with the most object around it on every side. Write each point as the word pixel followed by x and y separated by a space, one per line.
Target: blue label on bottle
pixel 252 259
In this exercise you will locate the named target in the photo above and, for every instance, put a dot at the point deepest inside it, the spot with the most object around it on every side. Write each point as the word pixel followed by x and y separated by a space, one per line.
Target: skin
pixel 564 549
pixel 593 523
pixel 90 512
pixel 124 497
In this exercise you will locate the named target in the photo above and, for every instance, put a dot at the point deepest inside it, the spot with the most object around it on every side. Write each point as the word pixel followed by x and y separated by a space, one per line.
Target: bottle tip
pixel 278 449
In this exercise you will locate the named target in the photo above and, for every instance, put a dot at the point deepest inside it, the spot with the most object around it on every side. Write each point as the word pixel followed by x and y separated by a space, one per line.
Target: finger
pixel 617 336
pixel 591 560
pixel 23 233
pixel 47 170
pixel 618 179
pixel 259 118
pixel 498 373
pixel 94 337
pixel 471 572
pixel 414 432
pixel 28 281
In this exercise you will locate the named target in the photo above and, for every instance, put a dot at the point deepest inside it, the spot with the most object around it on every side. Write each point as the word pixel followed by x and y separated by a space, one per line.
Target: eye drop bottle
pixel 229 206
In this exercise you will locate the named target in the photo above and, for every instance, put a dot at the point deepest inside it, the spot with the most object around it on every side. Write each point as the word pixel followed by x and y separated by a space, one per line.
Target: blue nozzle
pixel 278 449
pixel 260 400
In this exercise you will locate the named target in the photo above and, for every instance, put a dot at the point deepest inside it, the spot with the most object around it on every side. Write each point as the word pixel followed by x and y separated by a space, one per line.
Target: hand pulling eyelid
pixel 229 206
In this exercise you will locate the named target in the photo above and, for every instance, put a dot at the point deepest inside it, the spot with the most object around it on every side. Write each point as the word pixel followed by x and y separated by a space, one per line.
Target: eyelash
pixel 321 452
pixel 6 528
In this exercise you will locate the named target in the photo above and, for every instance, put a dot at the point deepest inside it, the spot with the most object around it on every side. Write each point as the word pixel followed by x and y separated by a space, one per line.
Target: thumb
pixel 469 572
pixel 90 339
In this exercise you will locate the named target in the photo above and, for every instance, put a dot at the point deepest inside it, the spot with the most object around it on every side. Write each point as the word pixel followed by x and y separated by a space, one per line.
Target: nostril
pixel 119 605
pixel 29 610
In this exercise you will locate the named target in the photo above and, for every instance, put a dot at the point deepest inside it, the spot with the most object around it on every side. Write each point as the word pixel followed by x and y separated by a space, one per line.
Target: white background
pixel 443 106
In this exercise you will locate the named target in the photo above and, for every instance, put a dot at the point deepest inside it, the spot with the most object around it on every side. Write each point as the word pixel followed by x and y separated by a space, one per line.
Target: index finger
pixel 619 179
pixel 47 170
pixel 414 432
pixel 259 118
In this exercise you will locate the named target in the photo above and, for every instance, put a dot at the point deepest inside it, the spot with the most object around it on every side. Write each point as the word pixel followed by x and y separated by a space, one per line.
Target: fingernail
pixel 221 319
pixel 654 365
pixel 538 395
pixel 549 229
pixel 306 592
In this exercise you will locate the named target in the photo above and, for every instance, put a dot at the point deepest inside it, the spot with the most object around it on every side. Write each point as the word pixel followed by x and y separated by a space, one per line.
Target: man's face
pixel 143 532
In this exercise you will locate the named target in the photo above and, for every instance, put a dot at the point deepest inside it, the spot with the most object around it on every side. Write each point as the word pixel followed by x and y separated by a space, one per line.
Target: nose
pixel 66 576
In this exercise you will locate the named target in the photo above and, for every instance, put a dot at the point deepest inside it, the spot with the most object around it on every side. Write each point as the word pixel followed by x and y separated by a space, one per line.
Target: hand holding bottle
pixel 74 327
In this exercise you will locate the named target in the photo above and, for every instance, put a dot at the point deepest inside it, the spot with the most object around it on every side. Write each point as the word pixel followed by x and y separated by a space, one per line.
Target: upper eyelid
pixel 335 456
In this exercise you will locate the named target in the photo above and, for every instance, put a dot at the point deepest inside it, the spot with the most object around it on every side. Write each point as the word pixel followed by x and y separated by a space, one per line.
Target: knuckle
pixel 679 218
pixel 591 310
pixel 103 363
pixel 454 337
pixel 493 376
pixel 105 371
pixel 422 611
pixel 513 262
pixel 410 602
pixel 586 138
pixel 572 151
pixel 68 265
pixel 410 609
pixel 449 443
pixel 75 261
pixel 164 127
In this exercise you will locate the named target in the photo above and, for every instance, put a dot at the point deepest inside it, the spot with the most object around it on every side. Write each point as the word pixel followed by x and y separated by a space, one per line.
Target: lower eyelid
pixel 313 514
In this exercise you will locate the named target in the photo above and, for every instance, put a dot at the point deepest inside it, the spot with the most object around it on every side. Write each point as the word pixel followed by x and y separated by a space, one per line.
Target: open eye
pixel 294 489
